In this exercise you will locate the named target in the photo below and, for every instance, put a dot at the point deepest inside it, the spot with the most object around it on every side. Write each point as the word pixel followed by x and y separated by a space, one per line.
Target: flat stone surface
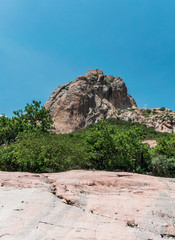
pixel 86 205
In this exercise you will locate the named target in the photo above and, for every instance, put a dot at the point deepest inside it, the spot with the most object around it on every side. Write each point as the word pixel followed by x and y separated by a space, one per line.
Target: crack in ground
pixel 53 190
pixel 167 235
pixel 69 201
pixel 57 225
pixel 101 215
pixel 5 234
pixel 96 231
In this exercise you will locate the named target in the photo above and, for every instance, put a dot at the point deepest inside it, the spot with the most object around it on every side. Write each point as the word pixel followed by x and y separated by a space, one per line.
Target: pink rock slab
pixel 86 205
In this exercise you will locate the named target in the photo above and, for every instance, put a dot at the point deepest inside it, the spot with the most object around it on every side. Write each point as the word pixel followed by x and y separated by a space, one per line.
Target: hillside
pixel 161 119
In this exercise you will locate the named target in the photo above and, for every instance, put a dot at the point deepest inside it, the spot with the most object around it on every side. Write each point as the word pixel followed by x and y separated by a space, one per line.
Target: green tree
pixel 131 153
pixel 8 130
pixel 34 118
pixel 110 148
pixel 100 147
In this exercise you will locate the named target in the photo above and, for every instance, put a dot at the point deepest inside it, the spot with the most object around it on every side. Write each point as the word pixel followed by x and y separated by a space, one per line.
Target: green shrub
pixel 8 158
pixel 40 152
pixel 162 165
pixel 100 147
pixel 107 145
pixel 154 112
pixel 132 154
pixel 166 146
pixel 110 149
pixel 148 111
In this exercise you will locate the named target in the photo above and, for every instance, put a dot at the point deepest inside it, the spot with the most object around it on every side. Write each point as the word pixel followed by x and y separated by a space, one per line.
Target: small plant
pixel 162 109
pixel 154 112
pixel 148 111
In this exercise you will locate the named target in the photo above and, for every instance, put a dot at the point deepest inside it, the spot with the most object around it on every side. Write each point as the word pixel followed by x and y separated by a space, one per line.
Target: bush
pixel 166 146
pixel 162 165
pixel 148 111
pixel 39 152
pixel 8 158
pixel 107 145
pixel 154 112
pixel 100 147
pixel 163 157
pixel 110 149
pixel 132 155
pixel 8 130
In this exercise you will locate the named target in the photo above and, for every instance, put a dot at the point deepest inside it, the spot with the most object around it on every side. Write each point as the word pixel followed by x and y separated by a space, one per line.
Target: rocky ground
pixel 86 205
pixel 161 119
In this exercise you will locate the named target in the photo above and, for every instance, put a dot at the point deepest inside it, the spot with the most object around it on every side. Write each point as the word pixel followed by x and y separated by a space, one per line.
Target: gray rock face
pixel 87 99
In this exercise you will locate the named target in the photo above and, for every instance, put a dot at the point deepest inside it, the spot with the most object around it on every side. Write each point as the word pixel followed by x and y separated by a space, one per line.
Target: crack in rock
pixel 46 223
pixel 77 228
pixel 167 235
pixel 5 234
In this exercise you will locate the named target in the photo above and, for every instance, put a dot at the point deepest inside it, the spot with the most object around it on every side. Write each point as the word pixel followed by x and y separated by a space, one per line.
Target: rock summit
pixel 88 99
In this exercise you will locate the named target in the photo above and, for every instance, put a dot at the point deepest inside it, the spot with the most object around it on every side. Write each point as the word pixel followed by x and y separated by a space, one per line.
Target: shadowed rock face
pixel 86 205
pixel 87 99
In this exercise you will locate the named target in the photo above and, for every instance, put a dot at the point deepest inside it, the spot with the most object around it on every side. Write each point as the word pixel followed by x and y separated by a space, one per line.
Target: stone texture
pixel 87 99
pixel 162 121
pixel 86 205
pixel 150 143
pixel 95 96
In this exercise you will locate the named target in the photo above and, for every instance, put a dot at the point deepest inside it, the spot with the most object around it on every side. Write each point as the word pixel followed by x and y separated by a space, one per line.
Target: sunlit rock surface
pixel 86 205
pixel 86 100
pixel 95 96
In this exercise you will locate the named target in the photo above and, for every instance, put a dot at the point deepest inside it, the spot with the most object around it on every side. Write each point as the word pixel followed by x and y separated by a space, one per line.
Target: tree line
pixel 28 143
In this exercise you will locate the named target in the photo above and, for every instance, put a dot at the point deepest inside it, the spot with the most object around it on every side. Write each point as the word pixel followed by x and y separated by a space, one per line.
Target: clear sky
pixel 46 43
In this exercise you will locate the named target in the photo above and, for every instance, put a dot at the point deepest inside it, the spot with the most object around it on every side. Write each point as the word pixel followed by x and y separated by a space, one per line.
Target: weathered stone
pixel 86 205
pixel 96 96
pixel 162 121
pixel 87 99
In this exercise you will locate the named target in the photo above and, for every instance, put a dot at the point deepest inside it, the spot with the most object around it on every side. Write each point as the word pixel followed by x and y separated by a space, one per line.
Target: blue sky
pixel 46 43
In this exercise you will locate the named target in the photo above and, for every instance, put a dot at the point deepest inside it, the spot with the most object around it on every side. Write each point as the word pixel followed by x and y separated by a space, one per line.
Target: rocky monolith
pixel 86 100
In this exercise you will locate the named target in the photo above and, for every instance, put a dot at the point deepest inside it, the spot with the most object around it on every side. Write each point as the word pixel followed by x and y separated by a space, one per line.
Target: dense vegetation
pixel 28 144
